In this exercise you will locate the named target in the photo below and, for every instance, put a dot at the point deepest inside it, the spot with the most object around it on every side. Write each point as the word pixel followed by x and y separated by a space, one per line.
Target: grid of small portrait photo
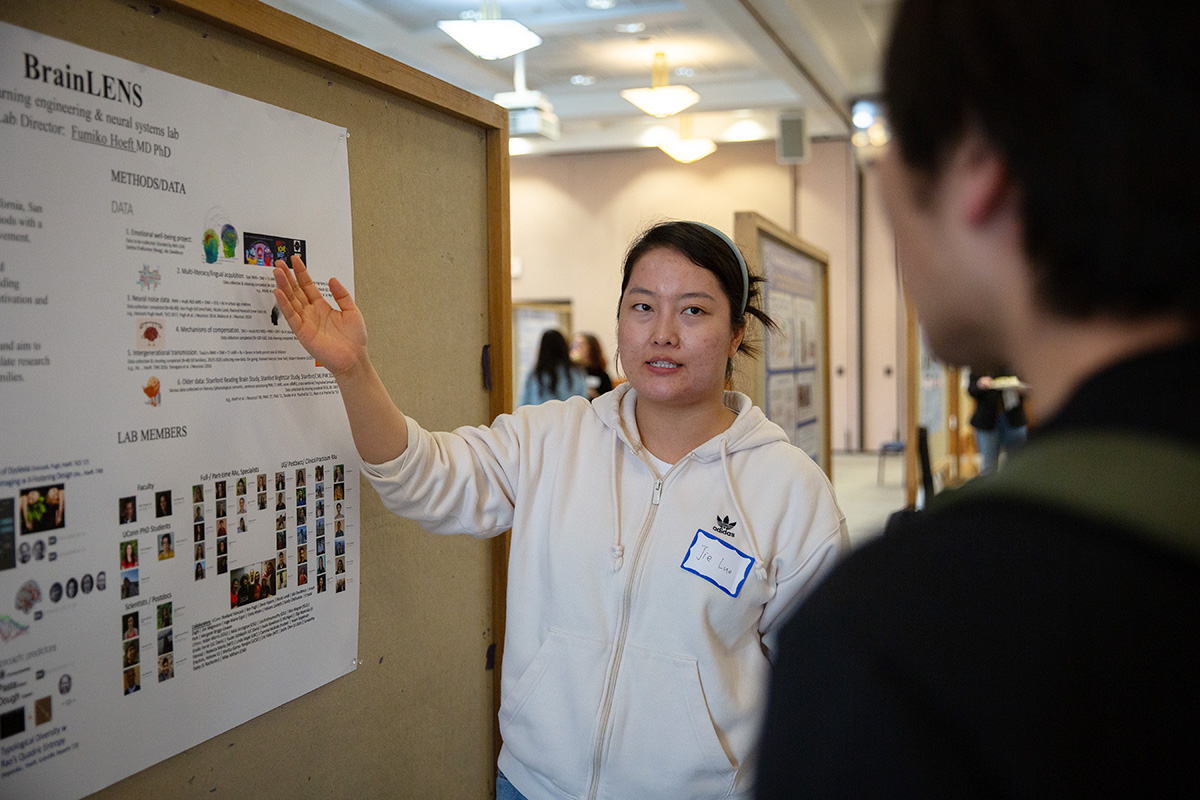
pixel 166 641
pixel 199 529
pixel 261 491
pixel 130 653
pixel 301 523
pixel 223 541
pixel 320 548
pixel 281 569
pixel 200 525
pixel 309 495
pixel 129 569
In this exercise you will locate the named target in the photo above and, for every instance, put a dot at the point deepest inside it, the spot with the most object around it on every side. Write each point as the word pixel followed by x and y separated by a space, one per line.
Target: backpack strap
pixel 1147 484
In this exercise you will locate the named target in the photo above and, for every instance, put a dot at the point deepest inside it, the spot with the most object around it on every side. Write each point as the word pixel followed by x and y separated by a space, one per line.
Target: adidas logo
pixel 724 526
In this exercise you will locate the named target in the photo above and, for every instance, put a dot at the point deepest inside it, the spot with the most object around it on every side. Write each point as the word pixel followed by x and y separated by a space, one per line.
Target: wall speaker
pixel 792 145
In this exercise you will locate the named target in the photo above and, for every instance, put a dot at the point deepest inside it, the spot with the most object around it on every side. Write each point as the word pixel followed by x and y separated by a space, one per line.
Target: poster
pixel 795 389
pixel 932 415
pixel 179 523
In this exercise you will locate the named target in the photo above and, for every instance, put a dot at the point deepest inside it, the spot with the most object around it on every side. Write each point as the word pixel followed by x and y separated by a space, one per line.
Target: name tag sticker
pixel 718 562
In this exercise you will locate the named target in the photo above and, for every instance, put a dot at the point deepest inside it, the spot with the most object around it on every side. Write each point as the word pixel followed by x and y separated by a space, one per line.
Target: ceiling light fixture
pixel 660 99
pixel 490 37
pixel 687 148
pixel 871 132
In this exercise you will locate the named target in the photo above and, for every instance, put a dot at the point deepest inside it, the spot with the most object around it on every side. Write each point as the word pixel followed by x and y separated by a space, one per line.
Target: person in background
pixel 554 376
pixel 660 533
pixel 587 353
pixel 1036 632
pixel 999 420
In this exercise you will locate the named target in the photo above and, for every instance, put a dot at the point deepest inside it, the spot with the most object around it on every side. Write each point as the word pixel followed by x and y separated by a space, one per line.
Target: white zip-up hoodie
pixel 640 606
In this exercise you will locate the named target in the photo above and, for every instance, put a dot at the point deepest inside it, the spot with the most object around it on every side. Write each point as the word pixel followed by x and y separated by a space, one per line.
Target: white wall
pixel 573 216
pixel 828 204
pixel 884 328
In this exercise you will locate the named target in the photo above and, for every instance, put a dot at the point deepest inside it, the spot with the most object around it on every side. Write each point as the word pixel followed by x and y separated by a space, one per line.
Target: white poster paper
pixel 178 488
pixel 781 399
pixel 795 382
pixel 782 343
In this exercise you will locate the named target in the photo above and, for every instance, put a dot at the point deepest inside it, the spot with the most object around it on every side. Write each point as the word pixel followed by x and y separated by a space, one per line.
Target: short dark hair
pixel 1092 106
pixel 708 251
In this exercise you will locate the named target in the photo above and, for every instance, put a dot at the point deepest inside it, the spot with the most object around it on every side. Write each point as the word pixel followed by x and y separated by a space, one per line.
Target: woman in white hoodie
pixel 661 534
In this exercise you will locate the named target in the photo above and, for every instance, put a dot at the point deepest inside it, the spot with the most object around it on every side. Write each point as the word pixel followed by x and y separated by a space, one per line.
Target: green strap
pixel 1147 484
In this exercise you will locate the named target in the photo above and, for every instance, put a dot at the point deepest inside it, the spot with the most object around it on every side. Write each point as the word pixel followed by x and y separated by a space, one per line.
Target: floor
pixel 867 502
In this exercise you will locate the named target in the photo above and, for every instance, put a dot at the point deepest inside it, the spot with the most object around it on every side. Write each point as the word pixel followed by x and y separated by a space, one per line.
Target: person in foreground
pixel 1035 633
pixel 660 534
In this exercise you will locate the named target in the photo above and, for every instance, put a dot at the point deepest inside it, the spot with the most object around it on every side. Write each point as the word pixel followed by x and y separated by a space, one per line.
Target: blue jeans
pixel 505 790
pixel 990 443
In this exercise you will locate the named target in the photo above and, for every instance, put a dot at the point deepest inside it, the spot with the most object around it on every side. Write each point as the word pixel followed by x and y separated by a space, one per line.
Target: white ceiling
pixel 750 60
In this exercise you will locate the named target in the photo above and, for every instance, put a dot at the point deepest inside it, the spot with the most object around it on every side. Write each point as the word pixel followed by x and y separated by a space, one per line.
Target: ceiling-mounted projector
pixel 529 113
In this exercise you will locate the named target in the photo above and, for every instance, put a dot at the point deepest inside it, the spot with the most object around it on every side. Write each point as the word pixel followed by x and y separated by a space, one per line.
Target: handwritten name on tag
pixel 717 562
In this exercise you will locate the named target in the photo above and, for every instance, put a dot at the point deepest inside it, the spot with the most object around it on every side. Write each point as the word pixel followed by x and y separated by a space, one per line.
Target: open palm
pixel 336 338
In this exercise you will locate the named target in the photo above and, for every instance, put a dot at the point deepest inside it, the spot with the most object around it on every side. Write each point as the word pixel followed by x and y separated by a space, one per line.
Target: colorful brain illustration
pixel 211 243
pixel 229 240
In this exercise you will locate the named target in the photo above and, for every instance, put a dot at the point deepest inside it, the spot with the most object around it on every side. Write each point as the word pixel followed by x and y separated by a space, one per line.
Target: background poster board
pixel 187 501
pixel 428 180
pixel 792 381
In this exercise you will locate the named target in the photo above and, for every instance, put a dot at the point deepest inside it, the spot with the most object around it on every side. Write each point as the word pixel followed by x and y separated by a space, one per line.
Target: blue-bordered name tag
pixel 718 562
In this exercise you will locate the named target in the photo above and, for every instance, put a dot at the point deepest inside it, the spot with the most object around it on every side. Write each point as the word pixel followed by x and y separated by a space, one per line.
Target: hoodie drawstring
pixel 760 569
pixel 618 549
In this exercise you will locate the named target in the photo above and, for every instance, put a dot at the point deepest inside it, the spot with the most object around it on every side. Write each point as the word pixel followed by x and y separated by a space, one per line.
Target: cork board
pixel 429 202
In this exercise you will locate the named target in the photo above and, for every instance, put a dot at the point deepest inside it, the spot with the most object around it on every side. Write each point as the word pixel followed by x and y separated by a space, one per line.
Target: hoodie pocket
pixel 663 741
pixel 549 718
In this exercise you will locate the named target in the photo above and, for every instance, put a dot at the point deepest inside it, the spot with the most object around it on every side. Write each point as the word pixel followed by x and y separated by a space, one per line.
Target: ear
pixel 984 186
pixel 736 342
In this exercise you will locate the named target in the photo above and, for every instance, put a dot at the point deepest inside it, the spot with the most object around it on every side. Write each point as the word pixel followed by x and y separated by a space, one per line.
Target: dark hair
pixel 1082 100
pixel 553 358
pixel 708 251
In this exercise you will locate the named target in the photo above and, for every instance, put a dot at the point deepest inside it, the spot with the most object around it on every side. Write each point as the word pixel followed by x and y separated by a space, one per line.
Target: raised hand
pixel 336 338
